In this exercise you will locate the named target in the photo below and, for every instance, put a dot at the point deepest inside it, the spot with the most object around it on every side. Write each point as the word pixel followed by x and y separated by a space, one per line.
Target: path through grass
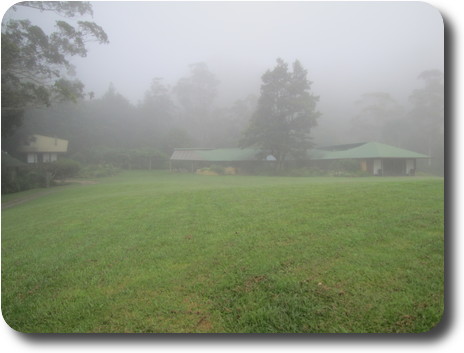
pixel 160 252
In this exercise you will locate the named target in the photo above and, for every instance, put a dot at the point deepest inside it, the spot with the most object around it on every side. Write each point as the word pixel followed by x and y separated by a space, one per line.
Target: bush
pixel 25 179
pixel 147 158
pixel 98 171
pixel 64 168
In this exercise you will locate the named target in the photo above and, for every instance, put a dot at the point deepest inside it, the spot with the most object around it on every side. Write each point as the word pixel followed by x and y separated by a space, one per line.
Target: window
pixel 32 158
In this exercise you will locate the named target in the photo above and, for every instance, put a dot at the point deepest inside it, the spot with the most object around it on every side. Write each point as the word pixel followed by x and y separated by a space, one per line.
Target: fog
pixel 348 49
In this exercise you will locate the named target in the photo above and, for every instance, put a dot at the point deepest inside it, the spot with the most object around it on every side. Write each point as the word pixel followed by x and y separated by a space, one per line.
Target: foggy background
pixel 348 48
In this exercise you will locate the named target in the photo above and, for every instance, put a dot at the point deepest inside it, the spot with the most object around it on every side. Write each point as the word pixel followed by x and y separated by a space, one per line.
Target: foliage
pixel 35 65
pixel 24 179
pixel 145 158
pixel 428 118
pixel 375 110
pixel 64 168
pixel 156 113
pixel 160 252
pixel 420 129
pixel 176 137
pixel 285 113
pixel 195 94
pixel 226 128
pixel 38 175
pixel 98 171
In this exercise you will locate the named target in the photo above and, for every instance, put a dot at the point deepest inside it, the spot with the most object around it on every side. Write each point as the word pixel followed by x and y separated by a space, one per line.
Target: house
pixel 42 149
pixel 373 157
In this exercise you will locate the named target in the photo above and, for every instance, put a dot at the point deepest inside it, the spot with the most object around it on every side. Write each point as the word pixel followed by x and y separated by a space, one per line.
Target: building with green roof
pixel 373 157
pixel 193 158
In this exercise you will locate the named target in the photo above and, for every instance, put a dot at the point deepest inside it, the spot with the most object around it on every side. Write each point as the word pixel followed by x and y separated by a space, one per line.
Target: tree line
pixel 419 127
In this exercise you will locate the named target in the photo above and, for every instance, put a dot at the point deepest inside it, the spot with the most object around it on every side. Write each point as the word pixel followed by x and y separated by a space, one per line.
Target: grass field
pixel 160 252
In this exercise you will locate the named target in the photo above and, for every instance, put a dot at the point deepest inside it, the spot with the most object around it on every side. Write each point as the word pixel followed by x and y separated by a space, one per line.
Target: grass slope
pixel 155 252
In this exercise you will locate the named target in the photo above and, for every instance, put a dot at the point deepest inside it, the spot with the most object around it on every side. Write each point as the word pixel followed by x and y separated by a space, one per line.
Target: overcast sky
pixel 348 48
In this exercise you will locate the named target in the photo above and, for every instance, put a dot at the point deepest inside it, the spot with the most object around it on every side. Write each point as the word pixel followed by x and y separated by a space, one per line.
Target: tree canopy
pixel 375 111
pixel 196 94
pixel 420 128
pixel 428 116
pixel 285 114
pixel 35 65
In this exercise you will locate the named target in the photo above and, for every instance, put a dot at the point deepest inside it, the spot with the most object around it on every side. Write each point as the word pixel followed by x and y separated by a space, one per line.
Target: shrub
pixel 99 171
pixel 64 168
pixel 25 179
pixel 146 158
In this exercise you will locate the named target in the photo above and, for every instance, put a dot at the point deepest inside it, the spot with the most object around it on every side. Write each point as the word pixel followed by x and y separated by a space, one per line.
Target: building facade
pixel 42 149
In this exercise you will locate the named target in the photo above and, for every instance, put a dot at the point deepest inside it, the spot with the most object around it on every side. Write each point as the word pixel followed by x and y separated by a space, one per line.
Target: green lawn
pixel 160 252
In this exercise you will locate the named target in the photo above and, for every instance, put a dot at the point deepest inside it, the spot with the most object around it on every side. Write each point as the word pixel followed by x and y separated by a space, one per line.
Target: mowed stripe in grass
pixel 155 252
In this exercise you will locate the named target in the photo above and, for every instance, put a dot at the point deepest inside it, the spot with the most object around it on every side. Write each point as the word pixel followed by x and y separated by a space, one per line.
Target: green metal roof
pixel 216 155
pixel 353 151
pixel 365 150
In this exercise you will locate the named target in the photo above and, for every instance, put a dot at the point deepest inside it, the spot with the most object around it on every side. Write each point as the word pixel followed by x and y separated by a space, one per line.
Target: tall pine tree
pixel 285 115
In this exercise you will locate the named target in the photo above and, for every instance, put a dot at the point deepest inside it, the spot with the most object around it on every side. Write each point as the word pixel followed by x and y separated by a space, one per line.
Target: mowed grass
pixel 160 252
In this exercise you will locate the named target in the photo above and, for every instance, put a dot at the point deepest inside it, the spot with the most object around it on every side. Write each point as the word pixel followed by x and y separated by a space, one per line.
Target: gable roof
pixel 40 143
pixel 363 151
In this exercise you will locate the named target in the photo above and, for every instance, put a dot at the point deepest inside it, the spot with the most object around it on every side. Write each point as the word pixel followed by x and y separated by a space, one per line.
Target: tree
pixel 427 116
pixel 176 137
pixel 230 122
pixel 110 120
pixel 157 112
pixel 285 114
pixel 196 94
pixel 378 114
pixel 36 66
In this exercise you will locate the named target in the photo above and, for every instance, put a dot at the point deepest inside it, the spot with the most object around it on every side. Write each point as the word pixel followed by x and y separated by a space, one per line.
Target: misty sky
pixel 348 48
